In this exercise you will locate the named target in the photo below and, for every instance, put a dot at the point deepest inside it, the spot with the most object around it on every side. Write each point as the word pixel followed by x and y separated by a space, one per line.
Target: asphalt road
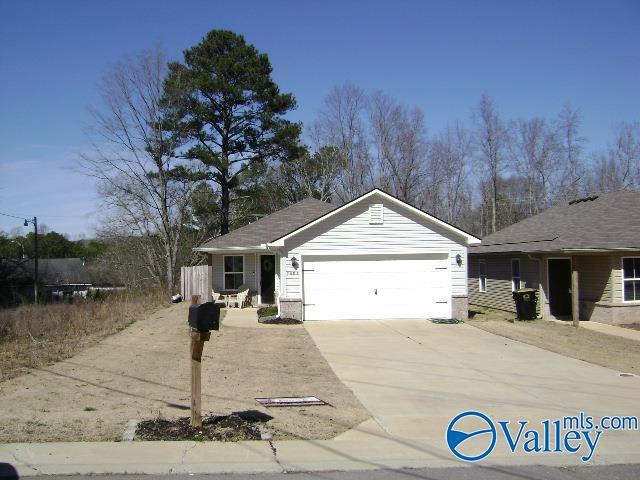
pixel 610 472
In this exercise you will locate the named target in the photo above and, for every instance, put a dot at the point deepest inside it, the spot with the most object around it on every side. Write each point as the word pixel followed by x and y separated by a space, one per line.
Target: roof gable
pixel 470 239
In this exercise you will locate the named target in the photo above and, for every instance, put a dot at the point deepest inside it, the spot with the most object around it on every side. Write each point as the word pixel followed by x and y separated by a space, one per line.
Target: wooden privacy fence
pixel 196 281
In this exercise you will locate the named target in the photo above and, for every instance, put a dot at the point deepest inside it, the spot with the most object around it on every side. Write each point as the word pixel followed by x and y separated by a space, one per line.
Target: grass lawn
pixel 610 351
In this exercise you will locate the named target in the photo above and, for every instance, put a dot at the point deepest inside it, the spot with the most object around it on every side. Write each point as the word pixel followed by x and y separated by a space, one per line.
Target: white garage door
pixel 376 287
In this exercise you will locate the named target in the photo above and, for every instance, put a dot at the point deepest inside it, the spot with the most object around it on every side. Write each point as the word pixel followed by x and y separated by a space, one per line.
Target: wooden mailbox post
pixel 197 344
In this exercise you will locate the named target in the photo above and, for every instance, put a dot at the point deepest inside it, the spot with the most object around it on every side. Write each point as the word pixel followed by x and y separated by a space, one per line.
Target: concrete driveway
pixel 415 376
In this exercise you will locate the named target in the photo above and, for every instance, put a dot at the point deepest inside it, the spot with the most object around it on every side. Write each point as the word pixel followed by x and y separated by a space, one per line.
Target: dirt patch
pixel 226 428
pixel 610 351
pixel 142 373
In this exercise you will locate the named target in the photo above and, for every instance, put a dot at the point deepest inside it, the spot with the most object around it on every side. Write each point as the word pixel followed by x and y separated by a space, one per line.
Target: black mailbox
pixel 204 317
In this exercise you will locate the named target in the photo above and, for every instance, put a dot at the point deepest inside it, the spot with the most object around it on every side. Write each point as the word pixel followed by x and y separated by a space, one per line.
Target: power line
pixel 13 216
pixel 85 215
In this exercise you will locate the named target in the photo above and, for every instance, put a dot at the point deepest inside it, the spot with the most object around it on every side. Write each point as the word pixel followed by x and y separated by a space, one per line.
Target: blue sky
pixel 531 56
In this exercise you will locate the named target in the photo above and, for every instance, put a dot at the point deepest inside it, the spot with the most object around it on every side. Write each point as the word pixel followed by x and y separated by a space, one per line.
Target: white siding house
pixel 375 257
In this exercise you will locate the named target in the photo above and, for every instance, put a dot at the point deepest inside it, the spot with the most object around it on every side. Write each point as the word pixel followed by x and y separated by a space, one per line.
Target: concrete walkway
pixel 612 330
pixel 605 328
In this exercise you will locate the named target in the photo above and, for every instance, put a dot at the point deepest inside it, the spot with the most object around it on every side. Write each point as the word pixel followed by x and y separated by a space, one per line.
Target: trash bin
pixel 204 317
pixel 526 300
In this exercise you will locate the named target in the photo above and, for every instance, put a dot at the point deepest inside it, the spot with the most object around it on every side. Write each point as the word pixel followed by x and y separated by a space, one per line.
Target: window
pixel 515 274
pixel 233 272
pixel 482 277
pixel 631 279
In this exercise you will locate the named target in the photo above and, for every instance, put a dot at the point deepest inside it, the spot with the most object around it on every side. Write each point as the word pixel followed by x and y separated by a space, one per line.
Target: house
pixel 375 257
pixel 57 278
pixel 583 257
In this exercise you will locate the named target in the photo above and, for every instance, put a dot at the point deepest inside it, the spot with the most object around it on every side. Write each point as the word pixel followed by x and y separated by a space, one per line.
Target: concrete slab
pixel 415 376
pixel 139 457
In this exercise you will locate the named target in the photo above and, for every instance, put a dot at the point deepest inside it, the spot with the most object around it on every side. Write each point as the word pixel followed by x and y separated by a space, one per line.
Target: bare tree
pixel 450 152
pixel 572 145
pixel 341 124
pixel 619 167
pixel 143 185
pixel 309 175
pixel 537 151
pixel 398 135
pixel 492 137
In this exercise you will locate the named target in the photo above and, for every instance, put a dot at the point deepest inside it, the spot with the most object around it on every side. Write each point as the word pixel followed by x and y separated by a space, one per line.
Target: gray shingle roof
pixel 606 221
pixel 273 226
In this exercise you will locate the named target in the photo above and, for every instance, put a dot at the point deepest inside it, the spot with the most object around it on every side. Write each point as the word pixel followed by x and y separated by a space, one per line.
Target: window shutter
pixel 376 214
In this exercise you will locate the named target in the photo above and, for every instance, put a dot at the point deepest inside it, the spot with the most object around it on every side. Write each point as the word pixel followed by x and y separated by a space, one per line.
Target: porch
pixel 226 273
pixel 571 285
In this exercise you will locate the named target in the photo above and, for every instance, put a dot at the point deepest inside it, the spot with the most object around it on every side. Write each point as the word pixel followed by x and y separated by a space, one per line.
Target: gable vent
pixel 376 214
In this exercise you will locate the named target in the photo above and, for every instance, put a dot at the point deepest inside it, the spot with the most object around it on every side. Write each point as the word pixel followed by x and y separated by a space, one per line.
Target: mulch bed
pixel 275 320
pixel 228 428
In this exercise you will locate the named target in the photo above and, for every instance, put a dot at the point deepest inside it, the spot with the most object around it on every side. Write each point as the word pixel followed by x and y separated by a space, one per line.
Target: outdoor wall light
pixel 294 263
pixel 459 260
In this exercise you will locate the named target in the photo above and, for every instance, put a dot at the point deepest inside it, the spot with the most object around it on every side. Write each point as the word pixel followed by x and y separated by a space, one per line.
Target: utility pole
pixel 35 260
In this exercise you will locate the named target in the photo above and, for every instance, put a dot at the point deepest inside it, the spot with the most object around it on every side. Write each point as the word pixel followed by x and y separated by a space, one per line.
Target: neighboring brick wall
pixel 460 307
pixel 291 308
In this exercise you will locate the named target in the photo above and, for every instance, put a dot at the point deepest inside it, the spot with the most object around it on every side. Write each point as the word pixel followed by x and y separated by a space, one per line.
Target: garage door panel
pixel 376 287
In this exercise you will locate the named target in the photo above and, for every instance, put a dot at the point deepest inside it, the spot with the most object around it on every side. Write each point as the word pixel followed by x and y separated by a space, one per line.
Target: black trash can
pixel 526 300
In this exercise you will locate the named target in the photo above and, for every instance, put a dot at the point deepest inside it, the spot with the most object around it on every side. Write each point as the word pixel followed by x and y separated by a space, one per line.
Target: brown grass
pixel 618 353
pixel 36 335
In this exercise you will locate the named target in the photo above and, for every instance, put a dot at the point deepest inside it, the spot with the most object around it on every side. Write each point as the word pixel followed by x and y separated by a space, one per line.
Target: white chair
pixel 240 297
pixel 215 296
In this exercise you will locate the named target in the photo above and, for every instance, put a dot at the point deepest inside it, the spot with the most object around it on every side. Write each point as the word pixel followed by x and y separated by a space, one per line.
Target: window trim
pixel 224 271
pixel 480 276
pixel 513 277
pixel 623 279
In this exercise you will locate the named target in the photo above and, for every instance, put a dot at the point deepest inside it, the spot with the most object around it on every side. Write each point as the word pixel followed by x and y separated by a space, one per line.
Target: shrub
pixel 267 311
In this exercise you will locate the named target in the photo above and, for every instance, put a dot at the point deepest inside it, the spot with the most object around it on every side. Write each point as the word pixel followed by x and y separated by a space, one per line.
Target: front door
pixel 560 286
pixel 267 278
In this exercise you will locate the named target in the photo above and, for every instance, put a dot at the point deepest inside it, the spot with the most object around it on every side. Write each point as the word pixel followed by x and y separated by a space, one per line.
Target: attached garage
pixel 379 286
pixel 374 258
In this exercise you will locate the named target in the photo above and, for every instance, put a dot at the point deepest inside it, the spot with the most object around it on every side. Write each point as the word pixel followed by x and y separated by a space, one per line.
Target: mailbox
pixel 204 317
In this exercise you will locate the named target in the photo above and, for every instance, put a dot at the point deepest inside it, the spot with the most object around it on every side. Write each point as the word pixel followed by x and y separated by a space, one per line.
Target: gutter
pixel 258 248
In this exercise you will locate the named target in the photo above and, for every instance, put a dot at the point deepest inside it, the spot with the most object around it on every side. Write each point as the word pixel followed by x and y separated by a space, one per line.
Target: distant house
pixel 58 278
pixel 585 253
